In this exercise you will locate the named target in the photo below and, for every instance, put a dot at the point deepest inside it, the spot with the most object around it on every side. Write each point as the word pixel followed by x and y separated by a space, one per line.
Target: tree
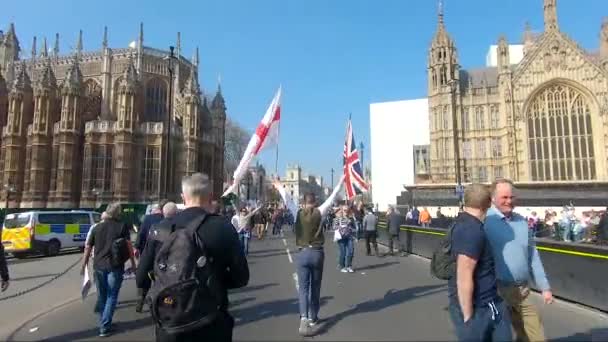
pixel 236 141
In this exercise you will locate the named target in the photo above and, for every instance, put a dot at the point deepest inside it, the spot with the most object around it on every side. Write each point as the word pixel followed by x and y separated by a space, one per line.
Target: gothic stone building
pixel 542 120
pixel 94 126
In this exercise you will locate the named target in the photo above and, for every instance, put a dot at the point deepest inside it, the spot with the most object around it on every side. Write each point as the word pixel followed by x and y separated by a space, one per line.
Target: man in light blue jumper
pixel 517 261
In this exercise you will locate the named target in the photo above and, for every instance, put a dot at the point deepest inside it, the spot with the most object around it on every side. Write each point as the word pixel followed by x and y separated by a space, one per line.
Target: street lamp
pixel 458 189
pixel 95 193
pixel 170 58
pixel 9 189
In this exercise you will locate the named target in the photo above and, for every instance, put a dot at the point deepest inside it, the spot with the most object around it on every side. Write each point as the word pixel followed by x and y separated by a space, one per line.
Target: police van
pixel 46 232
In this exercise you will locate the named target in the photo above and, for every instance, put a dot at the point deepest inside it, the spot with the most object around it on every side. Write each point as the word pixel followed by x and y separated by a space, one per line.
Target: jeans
pixel 370 239
pixel 567 231
pixel 391 238
pixel 490 322
pixel 244 238
pixel 108 286
pixel 347 250
pixel 309 266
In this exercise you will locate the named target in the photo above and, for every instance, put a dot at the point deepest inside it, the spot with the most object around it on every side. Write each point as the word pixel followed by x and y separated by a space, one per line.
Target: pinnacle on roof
pixel 73 78
pixel 47 77
pixel 44 51
pixel 10 37
pixel 192 87
pixel 441 38
pixel 22 80
pixel 130 77
pixel 218 100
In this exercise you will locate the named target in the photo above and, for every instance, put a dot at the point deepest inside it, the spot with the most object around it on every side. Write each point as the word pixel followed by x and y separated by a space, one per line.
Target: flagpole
pixel 276 159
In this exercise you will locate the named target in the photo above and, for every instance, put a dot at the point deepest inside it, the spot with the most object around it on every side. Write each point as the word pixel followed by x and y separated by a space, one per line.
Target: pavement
pixel 387 299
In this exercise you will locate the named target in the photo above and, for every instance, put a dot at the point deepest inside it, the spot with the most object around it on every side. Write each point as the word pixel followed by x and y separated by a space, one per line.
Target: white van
pixel 46 232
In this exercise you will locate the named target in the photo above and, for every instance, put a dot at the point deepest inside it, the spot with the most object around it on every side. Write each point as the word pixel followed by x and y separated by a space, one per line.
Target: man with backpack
pixel 156 233
pixel 477 311
pixel 200 259
pixel 111 240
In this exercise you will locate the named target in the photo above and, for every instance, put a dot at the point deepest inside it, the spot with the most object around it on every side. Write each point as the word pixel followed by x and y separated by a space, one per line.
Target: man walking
pixel 153 244
pixel 476 310
pixel 518 263
pixel 394 220
pixel 222 245
pixel 154 217
pixel 108 269
pixel 4 278
pixel 370 224
pixel 309 261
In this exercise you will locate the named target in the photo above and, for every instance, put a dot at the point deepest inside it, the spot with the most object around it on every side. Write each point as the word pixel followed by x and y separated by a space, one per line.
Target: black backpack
pixel 119 252
pixel 186 294
pixel 443 265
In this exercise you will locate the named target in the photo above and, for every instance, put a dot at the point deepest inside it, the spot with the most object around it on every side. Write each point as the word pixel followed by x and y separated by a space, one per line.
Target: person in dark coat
pixel 3 270
pixel 602 229
pixel 142 235
pixel 394 221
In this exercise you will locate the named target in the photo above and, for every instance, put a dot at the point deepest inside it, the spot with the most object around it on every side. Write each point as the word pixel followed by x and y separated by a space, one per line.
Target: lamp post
pixel 9 189
pixel 168 160
pixel 458 189
pixel 95 193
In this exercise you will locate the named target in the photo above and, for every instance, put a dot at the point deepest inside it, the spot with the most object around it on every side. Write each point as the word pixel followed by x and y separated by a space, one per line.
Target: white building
pixel 516 54
pixel 298 184
pixel 395 127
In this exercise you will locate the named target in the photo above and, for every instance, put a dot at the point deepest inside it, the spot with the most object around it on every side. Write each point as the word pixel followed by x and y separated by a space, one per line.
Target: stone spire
pixel 550 15
pixel 604 39
pixel 441 38
pixel 22 79
pixel 218 102
pixel 178 45
pixel 34 53
pixel 130 78
pixel 44 51
pixel 11 41
pixel 503 54
pixel 195 60
pixel 140 38
pixel 73 79
pixel 47 79
pixel 56 46
pixel 104 42
pixel 79 44
pixel 192 87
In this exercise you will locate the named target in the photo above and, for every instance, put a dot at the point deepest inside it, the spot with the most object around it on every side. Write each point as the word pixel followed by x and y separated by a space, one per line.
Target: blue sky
pixel 333 57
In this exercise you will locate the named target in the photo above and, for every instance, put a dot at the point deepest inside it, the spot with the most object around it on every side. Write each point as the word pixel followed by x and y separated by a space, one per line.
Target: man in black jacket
pixel 3 269
pixel 222 244
pixel 394 221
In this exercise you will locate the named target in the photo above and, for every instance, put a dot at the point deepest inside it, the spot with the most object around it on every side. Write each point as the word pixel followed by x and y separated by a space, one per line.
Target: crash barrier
pixel 577 272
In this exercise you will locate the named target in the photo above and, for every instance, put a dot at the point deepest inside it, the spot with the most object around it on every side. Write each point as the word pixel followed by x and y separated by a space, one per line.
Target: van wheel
pixel 20 255
pixel 53 248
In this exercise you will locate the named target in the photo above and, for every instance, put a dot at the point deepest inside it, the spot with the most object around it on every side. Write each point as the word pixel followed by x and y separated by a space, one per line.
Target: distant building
pixel 253 187
pixel 299 184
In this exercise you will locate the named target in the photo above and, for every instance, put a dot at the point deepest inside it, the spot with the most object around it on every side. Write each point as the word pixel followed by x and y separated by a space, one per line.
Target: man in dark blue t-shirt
pixel 476 310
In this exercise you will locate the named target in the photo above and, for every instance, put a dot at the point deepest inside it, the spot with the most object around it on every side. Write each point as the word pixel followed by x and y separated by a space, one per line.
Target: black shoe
pixel 140 306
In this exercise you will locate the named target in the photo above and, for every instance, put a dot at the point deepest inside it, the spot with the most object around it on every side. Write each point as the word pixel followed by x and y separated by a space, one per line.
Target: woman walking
pixel 344 228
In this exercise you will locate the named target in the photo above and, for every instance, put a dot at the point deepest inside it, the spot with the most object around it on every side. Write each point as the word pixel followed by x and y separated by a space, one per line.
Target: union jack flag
pixel 353 173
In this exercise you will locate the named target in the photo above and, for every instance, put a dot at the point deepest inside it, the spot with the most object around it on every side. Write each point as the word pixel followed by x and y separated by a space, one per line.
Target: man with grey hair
pixel 221 244
pixel 108 274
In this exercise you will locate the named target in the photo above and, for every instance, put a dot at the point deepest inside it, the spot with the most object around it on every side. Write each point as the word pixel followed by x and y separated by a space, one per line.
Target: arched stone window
pixel 92 106
pixel 156 100
pixel 560 139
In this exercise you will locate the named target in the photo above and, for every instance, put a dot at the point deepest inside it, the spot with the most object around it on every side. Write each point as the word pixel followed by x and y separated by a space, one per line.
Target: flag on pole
pixel 266 135
pixel 354 183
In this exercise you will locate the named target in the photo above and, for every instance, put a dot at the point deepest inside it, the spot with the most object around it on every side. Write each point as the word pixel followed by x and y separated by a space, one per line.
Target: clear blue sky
pixel 331 56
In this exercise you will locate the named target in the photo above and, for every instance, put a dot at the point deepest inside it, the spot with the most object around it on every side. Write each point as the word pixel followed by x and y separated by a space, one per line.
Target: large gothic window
pixel 98 167
pixel 560 139
pixel 92 106
pixel 150 170
pixel 156 100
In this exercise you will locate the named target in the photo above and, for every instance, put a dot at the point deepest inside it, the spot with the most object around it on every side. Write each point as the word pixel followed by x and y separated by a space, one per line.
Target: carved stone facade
pixel 544 119
pixel 92 127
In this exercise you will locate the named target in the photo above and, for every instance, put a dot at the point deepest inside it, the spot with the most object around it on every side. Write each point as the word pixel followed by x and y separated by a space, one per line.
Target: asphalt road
pixel 387 299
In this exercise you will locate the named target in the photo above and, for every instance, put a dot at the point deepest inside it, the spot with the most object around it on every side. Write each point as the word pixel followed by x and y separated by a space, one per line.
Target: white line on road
pixel 295 279
pixel 289 256
pixel 285 242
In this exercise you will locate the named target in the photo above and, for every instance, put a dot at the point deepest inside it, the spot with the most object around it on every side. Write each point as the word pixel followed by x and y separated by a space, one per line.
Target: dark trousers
pixel 391 238
pixel 220 330
pixel 309 264
pixel 490 322
pixel 370 239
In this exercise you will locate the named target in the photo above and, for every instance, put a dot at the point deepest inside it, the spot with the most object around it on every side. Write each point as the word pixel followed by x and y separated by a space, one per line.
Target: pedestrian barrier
pixel 576 272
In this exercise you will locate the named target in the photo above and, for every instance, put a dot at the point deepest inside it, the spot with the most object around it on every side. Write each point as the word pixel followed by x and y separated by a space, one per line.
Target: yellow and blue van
pixel 46 232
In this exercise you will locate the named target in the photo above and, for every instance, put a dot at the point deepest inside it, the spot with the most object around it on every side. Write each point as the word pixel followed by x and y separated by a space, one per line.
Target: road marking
pixel 285 242
pixel 295 279
pixel 289 256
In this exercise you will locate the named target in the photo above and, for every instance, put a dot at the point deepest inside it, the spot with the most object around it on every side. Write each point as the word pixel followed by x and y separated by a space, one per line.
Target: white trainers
pixel 312 323
pixel 350 270
pixel 304 329
pixel 344 270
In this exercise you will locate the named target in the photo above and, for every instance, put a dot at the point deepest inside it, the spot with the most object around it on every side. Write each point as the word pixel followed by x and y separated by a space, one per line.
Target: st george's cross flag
pixel 354 183
pixel 266 135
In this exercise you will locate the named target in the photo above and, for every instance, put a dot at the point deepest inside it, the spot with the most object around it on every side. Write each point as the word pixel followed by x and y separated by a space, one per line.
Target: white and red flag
pixel 354 182
pixel 266 135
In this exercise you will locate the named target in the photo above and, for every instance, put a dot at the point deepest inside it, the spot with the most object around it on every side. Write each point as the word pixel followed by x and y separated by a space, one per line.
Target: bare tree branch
pixel 237 139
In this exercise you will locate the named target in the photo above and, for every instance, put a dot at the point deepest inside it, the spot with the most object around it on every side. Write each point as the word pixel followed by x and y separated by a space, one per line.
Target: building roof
pixel 479 77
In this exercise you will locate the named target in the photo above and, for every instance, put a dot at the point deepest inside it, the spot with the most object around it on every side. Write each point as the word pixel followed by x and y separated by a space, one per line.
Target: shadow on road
pixel 253 288
pixel 269 309
pixel 38 257
pixel 593 335
pixel 376 266
pixel 117 328
pixel 241 301
pixel 34 277
pixel 391 298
